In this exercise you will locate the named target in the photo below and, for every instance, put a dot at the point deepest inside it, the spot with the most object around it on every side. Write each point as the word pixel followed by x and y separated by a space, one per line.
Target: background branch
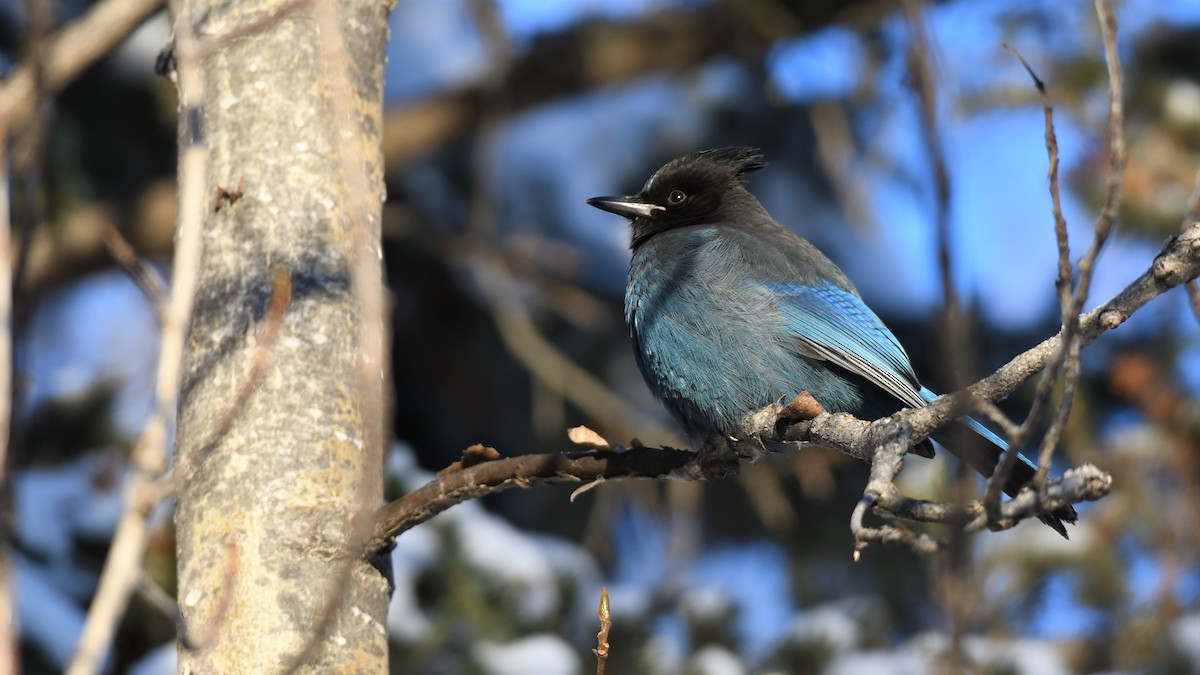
pixel 9 659
pixel 574 60
pixel 70 52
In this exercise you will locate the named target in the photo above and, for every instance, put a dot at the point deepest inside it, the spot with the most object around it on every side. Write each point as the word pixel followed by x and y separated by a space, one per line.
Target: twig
pixel 9 653
pixel 20 165
pixel 499 48
pixel 881 442
pixel 1193 293
pixel 601 650
pixel 1103 228
pixel 1192 206
pixel 149 457
pixel 1063 281
pixel 954 336
pixel 1192 215
pixel 1065 362
pixel 1045 385
pixel 154 594
pixel 147 279
pixel 27 152
pixel 891 443
pixel 1116 152
pixel 886 534
pixel 921 69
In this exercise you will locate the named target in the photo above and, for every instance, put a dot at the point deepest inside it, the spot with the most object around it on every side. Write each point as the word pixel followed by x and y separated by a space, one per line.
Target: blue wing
pixel 832 324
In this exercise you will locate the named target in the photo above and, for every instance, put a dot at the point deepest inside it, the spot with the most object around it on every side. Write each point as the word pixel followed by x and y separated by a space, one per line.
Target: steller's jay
pixel 730 311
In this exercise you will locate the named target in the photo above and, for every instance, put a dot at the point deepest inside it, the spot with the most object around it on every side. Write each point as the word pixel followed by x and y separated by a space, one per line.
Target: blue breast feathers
pixel 714 344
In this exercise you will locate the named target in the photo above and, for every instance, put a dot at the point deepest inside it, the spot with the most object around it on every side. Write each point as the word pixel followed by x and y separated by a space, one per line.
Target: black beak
pixel 630 207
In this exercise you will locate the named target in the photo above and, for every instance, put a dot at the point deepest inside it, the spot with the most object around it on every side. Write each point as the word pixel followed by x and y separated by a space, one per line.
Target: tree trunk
pixel 274 442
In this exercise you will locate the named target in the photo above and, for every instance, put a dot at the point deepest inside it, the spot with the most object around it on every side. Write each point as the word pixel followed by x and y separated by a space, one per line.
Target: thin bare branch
pixel 149 458
pixel 886 534
pixel 1116 153
pixel 958 363
pixel 1063 280
pixel 157 597
pixel 147 279
pixel 1064 366
pixel 1069 352
pixel 1192 215
pixel 1193 292
pixel 1192 212
pixel 601 649
pixel 920 64
pixel 9 653
pixel 22 145
pixel 890 445
pixel 1083 483
pixel 1045 385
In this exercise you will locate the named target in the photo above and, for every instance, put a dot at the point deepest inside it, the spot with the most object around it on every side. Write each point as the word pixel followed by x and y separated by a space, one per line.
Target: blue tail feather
pixel 984 460
pixel 979 428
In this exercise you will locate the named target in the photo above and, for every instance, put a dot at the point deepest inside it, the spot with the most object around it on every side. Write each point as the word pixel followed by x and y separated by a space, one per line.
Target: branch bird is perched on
pixel 730 311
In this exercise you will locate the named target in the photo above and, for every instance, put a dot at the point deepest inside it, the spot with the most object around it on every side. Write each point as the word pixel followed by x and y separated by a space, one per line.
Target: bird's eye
pixel 676 197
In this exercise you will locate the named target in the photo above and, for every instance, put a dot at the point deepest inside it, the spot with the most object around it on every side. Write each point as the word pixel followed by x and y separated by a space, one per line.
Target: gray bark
pixel 269 575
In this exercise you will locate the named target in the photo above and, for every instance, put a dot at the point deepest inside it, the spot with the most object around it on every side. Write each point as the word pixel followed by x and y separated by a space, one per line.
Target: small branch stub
pixel 476 454
pixel 601 649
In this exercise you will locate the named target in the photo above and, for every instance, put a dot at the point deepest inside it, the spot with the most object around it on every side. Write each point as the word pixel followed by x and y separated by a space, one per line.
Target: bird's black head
pixel 690 190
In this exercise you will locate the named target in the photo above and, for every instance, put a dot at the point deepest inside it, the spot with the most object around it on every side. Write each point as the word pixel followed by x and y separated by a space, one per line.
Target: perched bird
pixel 729 311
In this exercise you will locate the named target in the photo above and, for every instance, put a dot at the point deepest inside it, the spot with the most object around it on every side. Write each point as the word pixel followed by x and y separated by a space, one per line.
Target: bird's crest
pixel 740 160
pixel 732 162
